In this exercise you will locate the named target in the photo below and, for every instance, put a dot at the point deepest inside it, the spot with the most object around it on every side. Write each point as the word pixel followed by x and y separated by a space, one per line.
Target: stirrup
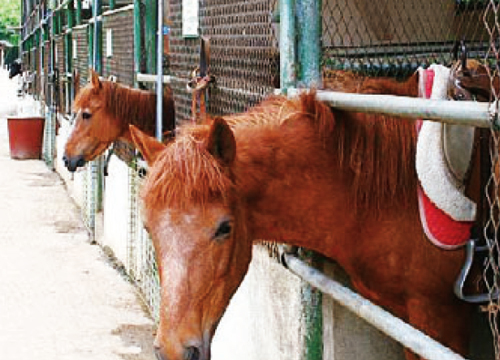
pixel 470 250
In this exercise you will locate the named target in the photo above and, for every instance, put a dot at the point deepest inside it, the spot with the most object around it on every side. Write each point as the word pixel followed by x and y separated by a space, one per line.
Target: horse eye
pixel 224 230
pixel 86 115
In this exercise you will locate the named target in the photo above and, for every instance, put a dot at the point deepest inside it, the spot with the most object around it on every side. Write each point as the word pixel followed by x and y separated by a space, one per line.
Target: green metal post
pixel 54 20
pixel 150 33
pixel 97 40
pixel 111 4
pixel 91 44
pixel 312 303
pixel 303 17
pixel 78 12
pixel 309 55
pixel 59 22
pixel 137 39
pixel 309 44
pixel 287 44
pixel 70 12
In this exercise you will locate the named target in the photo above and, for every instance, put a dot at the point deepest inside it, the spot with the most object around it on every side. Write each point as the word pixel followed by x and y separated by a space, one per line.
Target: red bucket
pixel 26 137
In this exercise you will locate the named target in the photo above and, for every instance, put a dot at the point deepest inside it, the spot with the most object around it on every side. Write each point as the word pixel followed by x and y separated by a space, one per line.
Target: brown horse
pixel 297 172
pixel 104 110
pixel 474 81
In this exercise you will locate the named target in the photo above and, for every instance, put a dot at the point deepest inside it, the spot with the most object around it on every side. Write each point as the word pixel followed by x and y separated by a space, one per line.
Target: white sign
pixel 190 20
pixel 75 49
pixel 109 42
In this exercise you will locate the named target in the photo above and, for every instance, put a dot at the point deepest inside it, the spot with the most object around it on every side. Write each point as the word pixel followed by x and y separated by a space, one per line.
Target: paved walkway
pixel 59 297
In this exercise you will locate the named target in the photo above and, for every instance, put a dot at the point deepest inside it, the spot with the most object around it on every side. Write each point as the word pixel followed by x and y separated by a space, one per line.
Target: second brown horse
pixel 104 110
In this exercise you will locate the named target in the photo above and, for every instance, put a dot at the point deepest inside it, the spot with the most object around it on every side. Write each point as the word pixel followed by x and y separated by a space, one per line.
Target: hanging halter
pixel 198 83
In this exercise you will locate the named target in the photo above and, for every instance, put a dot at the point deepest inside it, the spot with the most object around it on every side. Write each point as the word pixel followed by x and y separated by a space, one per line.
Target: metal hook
pixel 464 57
pixel 470 250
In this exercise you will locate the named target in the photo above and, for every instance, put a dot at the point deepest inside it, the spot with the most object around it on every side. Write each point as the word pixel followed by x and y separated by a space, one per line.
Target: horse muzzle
pixel 190 353
pixel 73 163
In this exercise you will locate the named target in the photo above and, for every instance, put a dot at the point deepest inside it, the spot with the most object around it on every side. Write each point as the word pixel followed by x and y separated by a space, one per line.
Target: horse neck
pixel 298 192
pixel 285 189
pixel 390 86
pixel 133 107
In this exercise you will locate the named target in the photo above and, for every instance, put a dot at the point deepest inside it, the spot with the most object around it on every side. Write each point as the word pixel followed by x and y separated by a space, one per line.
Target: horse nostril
pixel 158 354
pixel 80 162
pixel 65 160
pixel 192 353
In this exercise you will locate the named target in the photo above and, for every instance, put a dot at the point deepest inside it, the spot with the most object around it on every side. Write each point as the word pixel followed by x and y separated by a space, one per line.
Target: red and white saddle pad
pixel 447 214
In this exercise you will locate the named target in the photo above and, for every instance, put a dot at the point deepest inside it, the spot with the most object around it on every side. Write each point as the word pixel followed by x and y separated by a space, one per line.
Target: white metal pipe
pixel 159 73
pixel 471 113
pixel 397 329
pixel 119 10
pixel 140 77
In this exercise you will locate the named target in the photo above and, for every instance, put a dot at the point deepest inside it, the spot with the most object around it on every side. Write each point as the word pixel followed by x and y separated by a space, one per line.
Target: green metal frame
pixel 137 39
pixel 150 35
pixel 300 55
pixel 78 12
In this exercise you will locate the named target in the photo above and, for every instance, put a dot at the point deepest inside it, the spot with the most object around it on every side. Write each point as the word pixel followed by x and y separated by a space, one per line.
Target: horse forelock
pixel 186 174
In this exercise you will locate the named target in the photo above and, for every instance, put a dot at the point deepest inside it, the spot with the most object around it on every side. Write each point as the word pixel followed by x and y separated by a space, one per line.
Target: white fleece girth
pixel 440 183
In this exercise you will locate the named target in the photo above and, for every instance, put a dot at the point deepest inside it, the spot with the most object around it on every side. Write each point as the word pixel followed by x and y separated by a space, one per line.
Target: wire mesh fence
pixel 118 40
pixel 393 38
pixel 80 53
pixel 244 53
pixel 491 273
pixel 92 190
pixel 141 261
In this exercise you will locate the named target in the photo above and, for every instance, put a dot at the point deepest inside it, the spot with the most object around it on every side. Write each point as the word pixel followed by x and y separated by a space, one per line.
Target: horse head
pixel 469 80
pixel 95 127
pixel 15 68
pixel 196 224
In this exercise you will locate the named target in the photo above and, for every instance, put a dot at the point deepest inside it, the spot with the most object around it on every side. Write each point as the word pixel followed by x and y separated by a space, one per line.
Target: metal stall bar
pixel 397 329
pixel 287 44
pixel 149 35
pixel 308 52
pixel 78 17
pixel 159 72
pixel 94 169
pixel 470 113
pixel 167 79
pixel 309 46
pixel 137 38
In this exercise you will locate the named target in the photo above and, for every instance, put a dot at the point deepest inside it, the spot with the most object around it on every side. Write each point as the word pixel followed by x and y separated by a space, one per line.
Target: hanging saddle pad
pixel 443 159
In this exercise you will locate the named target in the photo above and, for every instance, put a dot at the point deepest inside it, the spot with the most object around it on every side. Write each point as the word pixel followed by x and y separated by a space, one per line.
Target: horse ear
pixel 96 83
pixel 221 143
pixel 147 145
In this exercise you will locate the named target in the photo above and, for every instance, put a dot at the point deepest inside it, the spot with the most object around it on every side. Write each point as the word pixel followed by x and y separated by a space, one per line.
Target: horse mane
pixel 379 150
pixel 132 106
